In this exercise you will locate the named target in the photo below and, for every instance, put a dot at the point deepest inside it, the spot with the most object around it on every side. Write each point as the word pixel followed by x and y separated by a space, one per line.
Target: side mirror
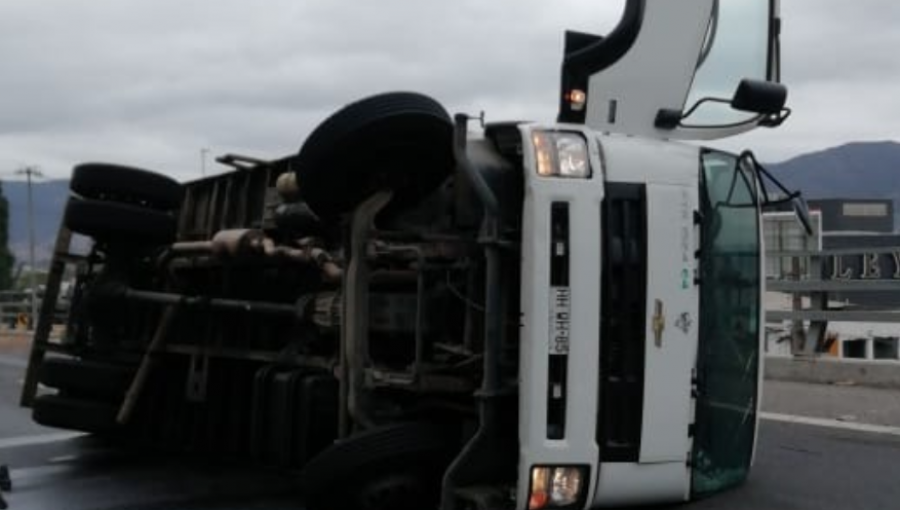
pixel 801 210
pixel 763 97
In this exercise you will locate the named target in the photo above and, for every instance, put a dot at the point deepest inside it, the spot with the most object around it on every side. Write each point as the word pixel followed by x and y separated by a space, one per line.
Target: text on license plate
pixel 560 320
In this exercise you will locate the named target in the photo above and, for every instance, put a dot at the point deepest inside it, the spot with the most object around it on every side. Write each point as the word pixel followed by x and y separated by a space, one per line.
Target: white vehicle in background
pixel 545 316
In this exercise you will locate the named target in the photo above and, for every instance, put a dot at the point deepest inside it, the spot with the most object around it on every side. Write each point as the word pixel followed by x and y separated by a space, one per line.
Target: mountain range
pixel 854 170
pixel 49 202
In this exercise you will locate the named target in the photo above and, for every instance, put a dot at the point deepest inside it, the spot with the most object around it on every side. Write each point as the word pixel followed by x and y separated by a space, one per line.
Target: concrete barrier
pixel 876 374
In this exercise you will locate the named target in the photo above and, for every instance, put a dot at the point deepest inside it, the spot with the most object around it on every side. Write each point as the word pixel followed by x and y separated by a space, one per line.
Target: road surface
pixel 831 465
pixel 799 467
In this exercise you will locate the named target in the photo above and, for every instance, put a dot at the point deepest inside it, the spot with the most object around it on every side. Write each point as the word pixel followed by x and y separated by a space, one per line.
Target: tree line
pixel 7 260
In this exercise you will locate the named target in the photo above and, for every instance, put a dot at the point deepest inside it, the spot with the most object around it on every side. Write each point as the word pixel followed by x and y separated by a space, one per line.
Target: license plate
pixel 560 320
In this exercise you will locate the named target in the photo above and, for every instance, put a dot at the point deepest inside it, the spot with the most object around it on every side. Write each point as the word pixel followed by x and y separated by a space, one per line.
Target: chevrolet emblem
pixel 659 322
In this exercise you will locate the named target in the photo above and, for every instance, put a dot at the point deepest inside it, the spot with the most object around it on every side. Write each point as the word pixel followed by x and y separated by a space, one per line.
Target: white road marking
pixel 14 442
pixel 832 424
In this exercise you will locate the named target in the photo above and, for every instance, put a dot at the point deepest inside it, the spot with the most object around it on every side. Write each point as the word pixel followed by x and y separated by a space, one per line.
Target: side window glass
pixel 737 48
pixel 728 357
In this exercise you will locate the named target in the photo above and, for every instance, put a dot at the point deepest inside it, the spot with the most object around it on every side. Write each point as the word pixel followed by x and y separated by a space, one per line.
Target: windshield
pixel 737 47
pixel 728 363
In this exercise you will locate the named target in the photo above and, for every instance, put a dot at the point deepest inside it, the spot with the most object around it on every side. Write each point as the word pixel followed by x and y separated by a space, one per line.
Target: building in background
pixel 850 215
pixel 856 224
pixel 861 248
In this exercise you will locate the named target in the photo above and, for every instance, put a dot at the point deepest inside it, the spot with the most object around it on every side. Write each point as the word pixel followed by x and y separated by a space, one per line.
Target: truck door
pixel 728 373
pixel 671 341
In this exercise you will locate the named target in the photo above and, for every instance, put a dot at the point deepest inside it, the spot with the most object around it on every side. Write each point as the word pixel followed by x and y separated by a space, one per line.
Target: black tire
pixel 411 457
pixel 92 379
pixel 112 221
pixel 117 183
pixel 400 141
pixel 74 414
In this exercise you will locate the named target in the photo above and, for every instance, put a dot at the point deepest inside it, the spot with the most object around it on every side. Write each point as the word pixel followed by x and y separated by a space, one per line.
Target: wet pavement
pixel 798 466
pixel 14 421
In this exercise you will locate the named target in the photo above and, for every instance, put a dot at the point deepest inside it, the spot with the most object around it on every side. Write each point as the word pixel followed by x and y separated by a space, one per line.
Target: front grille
pixel 622 322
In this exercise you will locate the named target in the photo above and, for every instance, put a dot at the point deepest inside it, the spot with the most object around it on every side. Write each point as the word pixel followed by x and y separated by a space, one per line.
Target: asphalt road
pixel 845 403
pixel 805 468
pixel 80 474
pixel 13 420
pixel 798 467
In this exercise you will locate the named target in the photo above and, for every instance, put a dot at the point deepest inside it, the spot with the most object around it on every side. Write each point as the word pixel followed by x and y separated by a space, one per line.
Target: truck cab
pixel 652 374
pixel 419 314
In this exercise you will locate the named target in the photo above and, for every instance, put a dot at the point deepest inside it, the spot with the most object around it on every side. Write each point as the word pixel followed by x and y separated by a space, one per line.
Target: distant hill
pixel 49 201
pixel 855 170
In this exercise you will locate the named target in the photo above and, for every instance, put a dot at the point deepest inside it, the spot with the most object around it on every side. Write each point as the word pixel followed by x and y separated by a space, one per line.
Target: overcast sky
pixel 151 82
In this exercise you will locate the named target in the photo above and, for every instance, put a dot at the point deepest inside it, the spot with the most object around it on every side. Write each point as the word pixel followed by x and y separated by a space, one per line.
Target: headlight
pixel 556 488
pixel 562 155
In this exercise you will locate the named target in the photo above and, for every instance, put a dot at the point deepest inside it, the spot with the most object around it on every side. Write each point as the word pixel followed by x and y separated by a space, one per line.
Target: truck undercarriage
pixel 259 329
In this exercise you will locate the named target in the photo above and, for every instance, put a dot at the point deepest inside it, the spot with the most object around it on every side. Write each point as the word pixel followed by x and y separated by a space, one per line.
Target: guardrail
pixel 15 310
pixel 831 272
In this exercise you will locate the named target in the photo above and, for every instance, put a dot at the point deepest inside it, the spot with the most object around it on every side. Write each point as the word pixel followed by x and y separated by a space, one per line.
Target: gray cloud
pixel 151 82
pixel 842 68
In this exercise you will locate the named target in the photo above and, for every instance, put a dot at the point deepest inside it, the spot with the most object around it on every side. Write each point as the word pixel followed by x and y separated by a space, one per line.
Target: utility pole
pixel 30 173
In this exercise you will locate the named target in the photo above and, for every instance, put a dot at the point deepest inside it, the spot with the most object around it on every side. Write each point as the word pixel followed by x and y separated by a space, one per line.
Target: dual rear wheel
pixel 88 396
pixel 115 203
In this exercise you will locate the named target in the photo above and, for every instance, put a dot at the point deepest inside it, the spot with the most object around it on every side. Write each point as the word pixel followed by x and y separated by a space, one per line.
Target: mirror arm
pixel 670 118
pixel 773 121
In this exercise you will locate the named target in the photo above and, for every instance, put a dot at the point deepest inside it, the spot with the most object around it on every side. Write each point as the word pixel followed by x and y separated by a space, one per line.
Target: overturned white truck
pixel 540 316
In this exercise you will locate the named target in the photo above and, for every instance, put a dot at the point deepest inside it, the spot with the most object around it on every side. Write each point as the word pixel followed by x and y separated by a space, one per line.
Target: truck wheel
pixel 394 467
pixel 108 221
pixel 104 381
pixel 117 183
pixel 74 414
pixel 400 141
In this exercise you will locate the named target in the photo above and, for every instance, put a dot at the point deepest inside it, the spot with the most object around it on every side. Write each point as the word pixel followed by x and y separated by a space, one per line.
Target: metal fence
pixel 823 294
pixel 15 310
